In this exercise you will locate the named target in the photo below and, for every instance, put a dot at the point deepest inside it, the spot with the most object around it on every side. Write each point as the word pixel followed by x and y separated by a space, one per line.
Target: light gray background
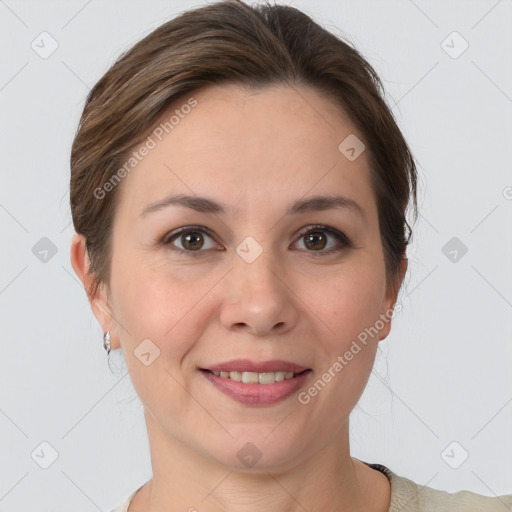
pixel 444 373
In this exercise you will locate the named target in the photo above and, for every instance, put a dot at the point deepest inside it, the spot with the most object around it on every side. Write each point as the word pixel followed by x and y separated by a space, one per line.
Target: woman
pixel 239 191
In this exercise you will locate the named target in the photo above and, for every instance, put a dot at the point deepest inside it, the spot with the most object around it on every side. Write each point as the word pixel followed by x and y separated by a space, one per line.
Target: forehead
pixel 248 145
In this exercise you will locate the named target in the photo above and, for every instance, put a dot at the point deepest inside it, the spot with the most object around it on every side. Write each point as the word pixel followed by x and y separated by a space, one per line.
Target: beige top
pixel 406 496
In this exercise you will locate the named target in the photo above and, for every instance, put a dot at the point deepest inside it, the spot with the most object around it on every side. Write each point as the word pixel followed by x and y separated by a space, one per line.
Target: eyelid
pixel 322 227
pixel 173 234
pixel 166 240
pixel 339 235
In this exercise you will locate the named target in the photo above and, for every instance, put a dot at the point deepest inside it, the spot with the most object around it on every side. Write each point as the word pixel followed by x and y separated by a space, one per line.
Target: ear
pixel 99 301
pixel 389 302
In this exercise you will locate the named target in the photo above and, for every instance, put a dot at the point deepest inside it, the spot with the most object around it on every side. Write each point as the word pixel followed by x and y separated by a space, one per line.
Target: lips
pixel 246 365
pixel 257 383
pixel 255 377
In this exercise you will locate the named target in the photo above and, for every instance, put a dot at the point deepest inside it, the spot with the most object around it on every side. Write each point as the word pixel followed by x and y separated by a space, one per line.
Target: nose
pixel 258 300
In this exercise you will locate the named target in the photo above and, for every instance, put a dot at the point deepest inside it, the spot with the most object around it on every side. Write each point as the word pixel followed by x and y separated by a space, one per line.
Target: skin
pixel 257 151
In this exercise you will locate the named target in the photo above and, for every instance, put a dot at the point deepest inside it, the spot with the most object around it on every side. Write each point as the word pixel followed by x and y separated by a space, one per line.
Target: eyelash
pixel 341 237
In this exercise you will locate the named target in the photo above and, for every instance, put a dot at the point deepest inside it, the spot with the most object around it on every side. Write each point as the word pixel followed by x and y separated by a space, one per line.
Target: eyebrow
pixel 205 205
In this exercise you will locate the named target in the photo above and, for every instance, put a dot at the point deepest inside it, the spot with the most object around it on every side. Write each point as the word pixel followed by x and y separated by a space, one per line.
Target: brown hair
pixel 232 42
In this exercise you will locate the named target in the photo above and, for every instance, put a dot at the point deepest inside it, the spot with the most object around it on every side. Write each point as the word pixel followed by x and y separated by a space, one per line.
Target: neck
pixel 329 480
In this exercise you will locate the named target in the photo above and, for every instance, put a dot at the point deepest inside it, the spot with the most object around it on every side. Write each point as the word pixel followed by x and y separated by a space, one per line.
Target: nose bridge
pixel 257 271
pixel 258 298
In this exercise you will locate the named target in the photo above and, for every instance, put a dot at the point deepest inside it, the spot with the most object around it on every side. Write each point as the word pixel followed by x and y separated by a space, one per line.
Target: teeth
pixel 256 378
pixel 266 378
pixel 250 377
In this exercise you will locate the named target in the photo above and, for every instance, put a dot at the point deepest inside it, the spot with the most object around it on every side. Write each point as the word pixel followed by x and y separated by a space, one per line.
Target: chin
pixel 252 452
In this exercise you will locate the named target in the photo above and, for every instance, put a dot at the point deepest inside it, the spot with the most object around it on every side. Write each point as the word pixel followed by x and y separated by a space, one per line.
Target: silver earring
pixel 106 342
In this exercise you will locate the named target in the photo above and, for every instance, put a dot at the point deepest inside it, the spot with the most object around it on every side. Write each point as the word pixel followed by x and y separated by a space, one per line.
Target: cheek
pixel 349 309
pixel 348 303
pixel 152 302
pixel 160 321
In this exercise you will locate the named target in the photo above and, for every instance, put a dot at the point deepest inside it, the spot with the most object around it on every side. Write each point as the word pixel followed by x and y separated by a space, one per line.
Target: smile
pixel 257 384
pixel 255 377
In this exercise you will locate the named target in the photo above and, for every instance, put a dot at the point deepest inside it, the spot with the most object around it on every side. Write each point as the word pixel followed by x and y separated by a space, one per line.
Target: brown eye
pixel 192 240
pixel 315 240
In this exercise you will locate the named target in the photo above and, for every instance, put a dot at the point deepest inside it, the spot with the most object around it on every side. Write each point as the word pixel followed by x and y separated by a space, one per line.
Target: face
pixel 258 279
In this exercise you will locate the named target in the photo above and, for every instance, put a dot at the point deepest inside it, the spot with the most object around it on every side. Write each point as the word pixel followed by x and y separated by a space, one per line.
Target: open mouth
pixel 257 388
pixel 255 377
